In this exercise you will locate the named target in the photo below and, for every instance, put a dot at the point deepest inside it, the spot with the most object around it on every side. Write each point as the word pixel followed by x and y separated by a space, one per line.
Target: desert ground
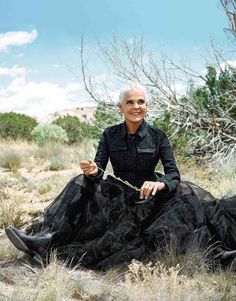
pixel 31 177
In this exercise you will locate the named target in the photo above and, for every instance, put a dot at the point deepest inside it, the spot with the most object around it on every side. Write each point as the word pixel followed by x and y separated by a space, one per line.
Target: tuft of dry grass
pixel 56 163
pixel 220 182
pixel 154 281
pixel 53 283
pixel 11 160
pixel 11 215
pixel 35 212
pixel 8 251
pixel 44 188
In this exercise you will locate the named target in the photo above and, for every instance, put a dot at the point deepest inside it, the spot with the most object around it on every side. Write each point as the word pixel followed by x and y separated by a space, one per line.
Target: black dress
pixel 102 223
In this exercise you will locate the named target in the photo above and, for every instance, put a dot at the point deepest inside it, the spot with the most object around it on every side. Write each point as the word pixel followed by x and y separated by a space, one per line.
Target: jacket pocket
pixel 146 159
pixel 146 150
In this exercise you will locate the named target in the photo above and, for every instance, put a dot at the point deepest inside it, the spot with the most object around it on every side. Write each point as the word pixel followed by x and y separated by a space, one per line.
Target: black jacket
pixel 134 157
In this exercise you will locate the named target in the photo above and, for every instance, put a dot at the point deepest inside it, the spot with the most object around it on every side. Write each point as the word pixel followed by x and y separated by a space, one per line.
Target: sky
pixel 39 40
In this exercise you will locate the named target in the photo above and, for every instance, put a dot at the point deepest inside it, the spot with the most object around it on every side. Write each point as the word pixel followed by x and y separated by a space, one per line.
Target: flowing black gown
pixel 102 223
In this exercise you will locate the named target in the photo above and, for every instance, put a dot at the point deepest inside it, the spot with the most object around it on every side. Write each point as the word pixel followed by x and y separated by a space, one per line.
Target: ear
pixel 120 107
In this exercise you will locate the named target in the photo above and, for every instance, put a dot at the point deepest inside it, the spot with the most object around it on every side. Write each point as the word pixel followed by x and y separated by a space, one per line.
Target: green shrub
pixel 11 160
pixel 16 126
pixel 47 133
pixel 75 129
pixel 56 164
pixel 180 138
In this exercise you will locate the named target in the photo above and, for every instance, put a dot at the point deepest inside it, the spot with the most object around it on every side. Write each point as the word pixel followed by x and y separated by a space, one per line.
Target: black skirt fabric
pixel 101 224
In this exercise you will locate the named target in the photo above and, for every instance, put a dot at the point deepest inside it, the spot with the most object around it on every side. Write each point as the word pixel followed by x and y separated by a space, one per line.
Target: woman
pixel 101 223
pixel 134 149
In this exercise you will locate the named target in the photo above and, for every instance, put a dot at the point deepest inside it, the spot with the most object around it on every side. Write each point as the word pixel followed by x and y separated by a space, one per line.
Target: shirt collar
pixel 141 131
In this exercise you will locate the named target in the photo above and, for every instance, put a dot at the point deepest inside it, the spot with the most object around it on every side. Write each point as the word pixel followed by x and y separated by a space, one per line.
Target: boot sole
pixel 21 246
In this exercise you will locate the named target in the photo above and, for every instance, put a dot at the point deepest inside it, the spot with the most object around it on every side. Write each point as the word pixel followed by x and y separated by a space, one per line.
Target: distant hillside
pixel 85 114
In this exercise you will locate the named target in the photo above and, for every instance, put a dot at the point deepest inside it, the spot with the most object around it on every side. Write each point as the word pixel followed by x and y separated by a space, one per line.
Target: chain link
pixel 119 179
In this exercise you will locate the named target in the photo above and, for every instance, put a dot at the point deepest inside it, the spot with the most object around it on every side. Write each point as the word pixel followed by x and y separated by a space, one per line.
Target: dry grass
pixel 49 284
pixel 24 194
pixel 157 282
pixel 8 251
pixel 219 181
pixel 44 188
pixel 142 282
pixel 10 213
pixel 57 163
pixel 11 160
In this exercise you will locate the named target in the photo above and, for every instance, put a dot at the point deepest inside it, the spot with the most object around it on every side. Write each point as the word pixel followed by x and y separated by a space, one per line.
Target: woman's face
pixel 134 106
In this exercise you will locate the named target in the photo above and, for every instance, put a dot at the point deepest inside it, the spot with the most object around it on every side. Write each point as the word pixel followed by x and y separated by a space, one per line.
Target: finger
pixel 92 163
pixel 142 191
pixel 90 168
pixel 93 172
pixel 155 189
pixel 84 162
pixel 148 191
pixel 87 162
pixel 85 166
pixel 86 169
pixel 145 185
pixel 87 173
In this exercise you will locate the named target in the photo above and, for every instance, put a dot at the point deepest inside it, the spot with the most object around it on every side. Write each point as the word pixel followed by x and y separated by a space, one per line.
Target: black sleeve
pixel 172 175
pixel 101 157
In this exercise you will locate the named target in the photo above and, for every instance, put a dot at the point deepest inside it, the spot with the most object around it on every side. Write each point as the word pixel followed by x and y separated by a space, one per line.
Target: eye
pixel 129 102
pixel 141 101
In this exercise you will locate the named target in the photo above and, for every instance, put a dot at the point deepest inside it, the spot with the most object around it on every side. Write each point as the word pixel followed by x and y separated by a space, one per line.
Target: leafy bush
pixel 210 112
pixel 75 129
pixel 180 138
pixel 48 133
pixel 15 126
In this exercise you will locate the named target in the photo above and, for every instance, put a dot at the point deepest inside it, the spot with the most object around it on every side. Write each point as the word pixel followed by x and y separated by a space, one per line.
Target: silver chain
pixel 119 179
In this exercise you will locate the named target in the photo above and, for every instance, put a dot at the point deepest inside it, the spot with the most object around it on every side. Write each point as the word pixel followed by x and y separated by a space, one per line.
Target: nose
pixel 136 105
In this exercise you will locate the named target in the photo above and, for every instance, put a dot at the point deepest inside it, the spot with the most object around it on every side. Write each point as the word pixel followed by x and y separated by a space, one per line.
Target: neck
pixel 133 126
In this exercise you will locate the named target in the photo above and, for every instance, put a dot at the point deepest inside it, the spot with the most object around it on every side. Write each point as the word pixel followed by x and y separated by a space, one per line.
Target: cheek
pixel 144 109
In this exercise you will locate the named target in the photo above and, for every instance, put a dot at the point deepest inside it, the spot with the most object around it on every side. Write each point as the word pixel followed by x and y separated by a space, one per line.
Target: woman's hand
pixel 150 188
pixel 89 167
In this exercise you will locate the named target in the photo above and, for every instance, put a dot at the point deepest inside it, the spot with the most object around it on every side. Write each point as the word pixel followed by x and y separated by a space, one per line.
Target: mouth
pixel 135 114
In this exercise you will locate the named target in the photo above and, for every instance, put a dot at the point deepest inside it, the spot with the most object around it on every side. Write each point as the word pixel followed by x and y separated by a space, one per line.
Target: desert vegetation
pixel 36 161
pixel 29 187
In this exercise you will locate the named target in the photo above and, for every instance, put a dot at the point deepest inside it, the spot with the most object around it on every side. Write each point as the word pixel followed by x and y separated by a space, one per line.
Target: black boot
pixel 224 257
pixel 227 257
pixel 36 246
